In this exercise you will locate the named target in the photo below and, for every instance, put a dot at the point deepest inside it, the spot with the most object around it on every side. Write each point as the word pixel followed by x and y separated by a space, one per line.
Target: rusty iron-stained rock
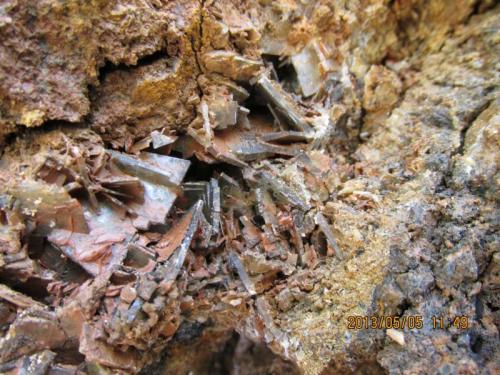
pixel 72 41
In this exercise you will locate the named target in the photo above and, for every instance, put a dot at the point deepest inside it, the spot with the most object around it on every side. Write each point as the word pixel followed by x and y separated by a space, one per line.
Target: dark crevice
pixel 49 125
pixel 257 105
pixel 475 10
pixel 186 334
pixel 463 132
pixel 476 343
pixel 361 124
pixel 284 73
pixel 196 48
pixel 201 171
pixel 10 139
pixel 110 67
pixel 33 287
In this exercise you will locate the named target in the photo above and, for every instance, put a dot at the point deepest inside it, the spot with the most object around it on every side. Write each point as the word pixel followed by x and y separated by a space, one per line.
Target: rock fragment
pixel 232 65
pixel 307 64
pixel 396 335
pixel 325 228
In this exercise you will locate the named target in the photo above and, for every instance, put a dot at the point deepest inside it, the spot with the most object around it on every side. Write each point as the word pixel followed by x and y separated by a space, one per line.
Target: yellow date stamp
pixel 358 322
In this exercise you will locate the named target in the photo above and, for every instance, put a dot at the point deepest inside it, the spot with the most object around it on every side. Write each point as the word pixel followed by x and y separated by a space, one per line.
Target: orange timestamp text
pixel 404 322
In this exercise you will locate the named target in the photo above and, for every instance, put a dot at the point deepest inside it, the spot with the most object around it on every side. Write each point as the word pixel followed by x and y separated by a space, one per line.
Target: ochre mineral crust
pixel 249 187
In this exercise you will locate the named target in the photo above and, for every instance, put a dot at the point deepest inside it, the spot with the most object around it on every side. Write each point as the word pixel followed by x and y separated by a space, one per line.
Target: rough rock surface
pixel 354 150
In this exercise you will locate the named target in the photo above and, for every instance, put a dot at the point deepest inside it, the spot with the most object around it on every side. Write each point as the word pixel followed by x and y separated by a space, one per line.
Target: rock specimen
pixel 249 187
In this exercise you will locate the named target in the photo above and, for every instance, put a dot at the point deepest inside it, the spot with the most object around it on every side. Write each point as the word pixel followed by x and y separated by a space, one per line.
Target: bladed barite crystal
pixel 247 187
pixel 279 100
